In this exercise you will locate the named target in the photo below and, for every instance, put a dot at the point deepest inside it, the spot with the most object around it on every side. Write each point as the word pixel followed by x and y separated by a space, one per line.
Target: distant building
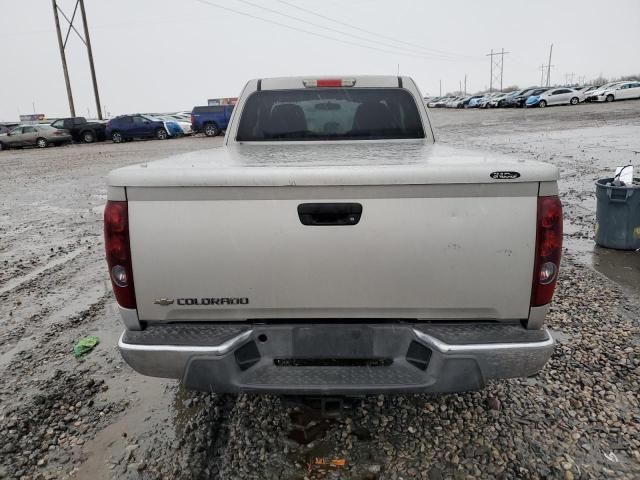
pixel 222 101
pixel 32 118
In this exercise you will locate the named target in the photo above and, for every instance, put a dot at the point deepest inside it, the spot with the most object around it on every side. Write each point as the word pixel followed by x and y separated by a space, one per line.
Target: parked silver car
pixel 34 136
pixel 555 96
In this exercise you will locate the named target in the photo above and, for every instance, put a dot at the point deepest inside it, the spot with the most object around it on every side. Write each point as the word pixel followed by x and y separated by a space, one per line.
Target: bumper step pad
pixel 184 334
pixel 481 333
pixel 333 376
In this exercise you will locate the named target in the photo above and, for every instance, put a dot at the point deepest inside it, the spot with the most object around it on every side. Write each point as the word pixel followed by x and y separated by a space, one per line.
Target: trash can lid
pixel 602 183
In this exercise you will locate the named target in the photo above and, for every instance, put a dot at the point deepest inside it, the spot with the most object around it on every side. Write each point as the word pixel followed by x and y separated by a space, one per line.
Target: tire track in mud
pixel 48 404
pixel 48 346
pixel 18 284
pixel 49 297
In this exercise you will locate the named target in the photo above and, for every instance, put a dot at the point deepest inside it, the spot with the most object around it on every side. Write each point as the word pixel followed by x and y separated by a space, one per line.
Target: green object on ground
pixel 85 345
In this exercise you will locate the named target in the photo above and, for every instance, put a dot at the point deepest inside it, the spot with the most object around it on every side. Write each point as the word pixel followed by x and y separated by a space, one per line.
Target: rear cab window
pixel 330 114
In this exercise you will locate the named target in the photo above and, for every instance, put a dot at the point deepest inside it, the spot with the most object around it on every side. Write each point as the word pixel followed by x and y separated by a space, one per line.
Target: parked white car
pixel 593 94
pixel 622 91
pixel 485 102
pixel 494 102
pixel 453 103
pixel 184 124
pixel 555 96
pixel 437 102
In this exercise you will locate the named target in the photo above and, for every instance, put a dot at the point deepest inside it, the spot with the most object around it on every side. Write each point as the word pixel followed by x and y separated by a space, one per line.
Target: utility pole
pixel 499 67
pixel 91 66
pixel 543 68
pixel 491 71
pixel 549 67
pixel 460 87
pixel 440 87
pixel 465 83
pixel 63 44
pixel 72 108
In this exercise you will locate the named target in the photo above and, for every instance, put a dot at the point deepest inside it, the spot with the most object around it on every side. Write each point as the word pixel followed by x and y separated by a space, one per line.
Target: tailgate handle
pixel 329 213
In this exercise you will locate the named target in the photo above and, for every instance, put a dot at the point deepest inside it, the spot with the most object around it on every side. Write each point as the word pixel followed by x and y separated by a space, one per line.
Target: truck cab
pixel 81 130
pixel 211 120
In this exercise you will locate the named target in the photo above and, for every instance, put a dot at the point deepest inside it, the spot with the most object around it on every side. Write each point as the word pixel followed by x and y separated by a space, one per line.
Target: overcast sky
pixel 167 55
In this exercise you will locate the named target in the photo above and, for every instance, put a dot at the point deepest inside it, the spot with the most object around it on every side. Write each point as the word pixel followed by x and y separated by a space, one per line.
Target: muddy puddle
pixel 623 267
pixel 619 266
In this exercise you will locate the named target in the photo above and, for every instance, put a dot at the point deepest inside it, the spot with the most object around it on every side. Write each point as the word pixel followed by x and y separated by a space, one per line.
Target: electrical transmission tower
pixel 544 68
pixel 63 45
pixel 568 76
pixel 497 68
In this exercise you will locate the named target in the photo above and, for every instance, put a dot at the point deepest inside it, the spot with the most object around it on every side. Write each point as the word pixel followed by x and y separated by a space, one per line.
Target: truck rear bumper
pixel 336 359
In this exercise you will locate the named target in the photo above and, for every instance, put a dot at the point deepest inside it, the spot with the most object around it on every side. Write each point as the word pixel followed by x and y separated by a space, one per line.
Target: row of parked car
pixel 210 120
pixel 542 96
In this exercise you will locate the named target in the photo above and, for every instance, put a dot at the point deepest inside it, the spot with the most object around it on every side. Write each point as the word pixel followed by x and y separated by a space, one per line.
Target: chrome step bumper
pixel 336 359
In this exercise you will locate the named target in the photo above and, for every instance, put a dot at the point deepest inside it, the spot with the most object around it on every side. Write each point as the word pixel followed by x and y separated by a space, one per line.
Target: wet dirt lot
pixel 95 418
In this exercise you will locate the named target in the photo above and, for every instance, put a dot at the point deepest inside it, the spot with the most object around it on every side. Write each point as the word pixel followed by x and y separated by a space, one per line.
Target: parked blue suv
pixel 210 119
pixel 128 127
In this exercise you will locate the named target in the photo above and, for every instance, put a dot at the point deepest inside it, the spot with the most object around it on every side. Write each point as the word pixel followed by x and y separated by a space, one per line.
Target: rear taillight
pixel 548 250
pixel 116 241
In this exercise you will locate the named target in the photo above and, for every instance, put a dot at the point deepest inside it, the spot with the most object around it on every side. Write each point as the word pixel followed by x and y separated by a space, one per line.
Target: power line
pixel 297 29
pixel 401 50
pixel 377 34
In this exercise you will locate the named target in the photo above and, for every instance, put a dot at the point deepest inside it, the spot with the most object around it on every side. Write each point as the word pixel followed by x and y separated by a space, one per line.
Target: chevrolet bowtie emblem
pixel 163 301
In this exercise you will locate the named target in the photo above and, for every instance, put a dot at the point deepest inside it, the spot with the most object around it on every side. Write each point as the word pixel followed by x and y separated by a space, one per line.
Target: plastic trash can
pixel 618 215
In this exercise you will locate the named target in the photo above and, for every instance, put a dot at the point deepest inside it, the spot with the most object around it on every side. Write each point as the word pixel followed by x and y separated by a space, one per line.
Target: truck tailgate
pixel 458 251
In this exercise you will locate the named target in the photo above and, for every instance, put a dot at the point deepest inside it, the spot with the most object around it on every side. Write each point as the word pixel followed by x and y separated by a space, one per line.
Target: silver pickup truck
pixel 332 247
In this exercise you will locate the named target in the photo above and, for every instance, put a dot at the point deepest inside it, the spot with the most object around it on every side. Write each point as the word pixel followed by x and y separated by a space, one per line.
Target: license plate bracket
pixel 333 341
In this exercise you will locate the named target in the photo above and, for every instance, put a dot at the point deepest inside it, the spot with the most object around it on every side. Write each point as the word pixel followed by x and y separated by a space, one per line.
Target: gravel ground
pixel 94 418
